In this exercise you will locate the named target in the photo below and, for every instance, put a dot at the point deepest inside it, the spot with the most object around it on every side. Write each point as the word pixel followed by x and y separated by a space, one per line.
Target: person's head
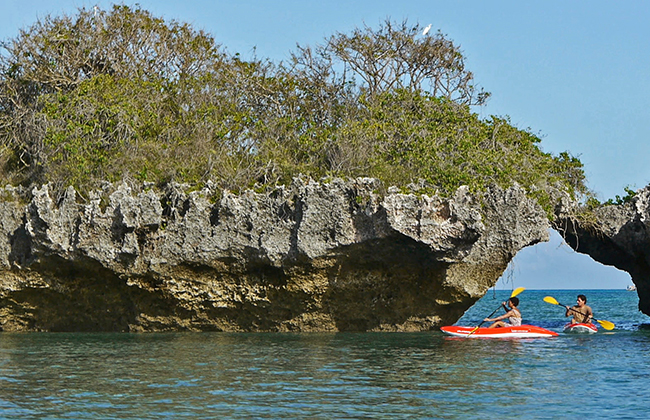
pixel 514 301
pixel 582 299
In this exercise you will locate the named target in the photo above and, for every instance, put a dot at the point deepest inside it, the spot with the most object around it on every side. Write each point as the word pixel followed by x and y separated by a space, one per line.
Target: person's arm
pixel 568 311
pixel 589 316
pixel 499 318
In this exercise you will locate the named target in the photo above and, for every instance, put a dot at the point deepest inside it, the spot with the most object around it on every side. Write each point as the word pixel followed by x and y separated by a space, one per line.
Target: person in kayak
pixel 513 315
pixel 581 312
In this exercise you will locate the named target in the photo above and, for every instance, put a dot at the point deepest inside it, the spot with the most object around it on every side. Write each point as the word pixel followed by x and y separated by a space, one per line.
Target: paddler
pixel 513 315
pixel 581 312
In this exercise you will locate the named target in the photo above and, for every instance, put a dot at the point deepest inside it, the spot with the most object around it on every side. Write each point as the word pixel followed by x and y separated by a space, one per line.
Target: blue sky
pixel 575 72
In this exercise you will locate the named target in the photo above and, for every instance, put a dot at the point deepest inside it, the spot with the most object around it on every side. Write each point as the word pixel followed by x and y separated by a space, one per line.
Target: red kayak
pixel 523 331
pixel 580 328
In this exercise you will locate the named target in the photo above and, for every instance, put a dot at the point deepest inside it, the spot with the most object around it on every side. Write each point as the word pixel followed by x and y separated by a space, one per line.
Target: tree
pixel 393 57
pixel 116 94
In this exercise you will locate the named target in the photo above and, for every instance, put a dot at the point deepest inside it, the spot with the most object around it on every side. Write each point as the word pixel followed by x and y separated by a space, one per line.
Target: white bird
pixel 426 30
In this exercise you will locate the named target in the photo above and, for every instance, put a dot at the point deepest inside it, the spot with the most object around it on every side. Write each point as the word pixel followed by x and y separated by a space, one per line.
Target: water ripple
pixel 343 376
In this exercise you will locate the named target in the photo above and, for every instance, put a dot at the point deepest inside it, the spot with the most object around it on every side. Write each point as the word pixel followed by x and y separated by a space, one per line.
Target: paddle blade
pixel 606 324
pixel 474 330
pixel 517 291
pixel 551 300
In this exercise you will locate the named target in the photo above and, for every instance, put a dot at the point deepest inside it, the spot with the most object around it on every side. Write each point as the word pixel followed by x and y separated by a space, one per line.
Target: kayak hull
pixel 580 328
pixel 523 331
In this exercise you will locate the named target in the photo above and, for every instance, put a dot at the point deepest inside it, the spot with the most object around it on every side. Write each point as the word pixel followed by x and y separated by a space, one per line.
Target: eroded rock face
pixel 313 256
pixel 620 237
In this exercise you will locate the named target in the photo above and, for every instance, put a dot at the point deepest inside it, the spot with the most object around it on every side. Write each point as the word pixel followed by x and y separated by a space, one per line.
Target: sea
pixel 424 375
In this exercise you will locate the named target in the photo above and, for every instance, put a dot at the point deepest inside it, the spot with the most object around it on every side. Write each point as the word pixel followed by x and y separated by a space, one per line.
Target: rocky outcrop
pixel 335 256
pixel 617 235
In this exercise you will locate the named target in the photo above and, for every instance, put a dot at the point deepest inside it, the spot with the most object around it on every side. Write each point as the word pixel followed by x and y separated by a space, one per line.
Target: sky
pixel 574 72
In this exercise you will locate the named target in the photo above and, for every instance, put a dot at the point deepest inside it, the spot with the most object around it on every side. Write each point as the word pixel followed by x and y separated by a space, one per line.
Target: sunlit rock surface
pixel 620 237
pixel 336 256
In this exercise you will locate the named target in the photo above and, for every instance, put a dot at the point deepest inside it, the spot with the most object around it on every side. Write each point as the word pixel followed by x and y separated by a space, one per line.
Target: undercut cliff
pixel 330 256
pixel 615 235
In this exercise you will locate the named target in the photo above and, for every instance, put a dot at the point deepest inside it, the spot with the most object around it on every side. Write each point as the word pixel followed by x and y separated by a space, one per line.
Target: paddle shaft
pixel 479 325
pixel 578 312
pixel 490 316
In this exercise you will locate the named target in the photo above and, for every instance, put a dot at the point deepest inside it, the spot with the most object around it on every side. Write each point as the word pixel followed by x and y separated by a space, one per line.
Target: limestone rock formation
pixel 619 236
pixel 330 256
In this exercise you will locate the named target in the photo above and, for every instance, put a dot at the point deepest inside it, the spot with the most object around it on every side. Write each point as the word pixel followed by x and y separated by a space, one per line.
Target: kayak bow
pixel 580 328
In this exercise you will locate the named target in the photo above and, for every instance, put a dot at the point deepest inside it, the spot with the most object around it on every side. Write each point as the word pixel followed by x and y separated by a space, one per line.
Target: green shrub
pixel 121 94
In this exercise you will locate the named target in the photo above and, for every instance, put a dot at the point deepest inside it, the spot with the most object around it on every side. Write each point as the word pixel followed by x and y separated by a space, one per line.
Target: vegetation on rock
pixel 122 94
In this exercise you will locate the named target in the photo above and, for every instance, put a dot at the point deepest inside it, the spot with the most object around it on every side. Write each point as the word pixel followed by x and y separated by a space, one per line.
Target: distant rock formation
pixel 335 256
pixel 619 236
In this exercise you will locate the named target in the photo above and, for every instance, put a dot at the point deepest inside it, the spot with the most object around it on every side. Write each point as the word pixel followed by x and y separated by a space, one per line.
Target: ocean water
pixel 340 376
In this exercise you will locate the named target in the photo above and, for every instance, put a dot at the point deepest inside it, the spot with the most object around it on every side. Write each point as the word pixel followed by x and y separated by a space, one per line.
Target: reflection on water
pixel 372 375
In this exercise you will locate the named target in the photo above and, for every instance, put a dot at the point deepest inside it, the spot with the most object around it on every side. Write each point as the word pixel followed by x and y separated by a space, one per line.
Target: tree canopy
pixel 122 94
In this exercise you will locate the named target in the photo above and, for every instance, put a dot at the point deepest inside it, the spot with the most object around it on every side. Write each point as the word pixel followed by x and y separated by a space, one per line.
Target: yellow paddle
pixel 606 324
pixel 513 294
